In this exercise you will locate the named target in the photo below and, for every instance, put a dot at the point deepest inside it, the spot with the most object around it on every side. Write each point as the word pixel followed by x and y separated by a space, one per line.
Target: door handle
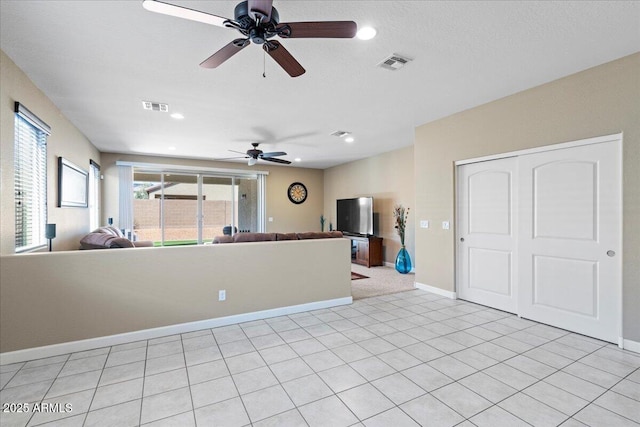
pixel 611 253
pixel 462 239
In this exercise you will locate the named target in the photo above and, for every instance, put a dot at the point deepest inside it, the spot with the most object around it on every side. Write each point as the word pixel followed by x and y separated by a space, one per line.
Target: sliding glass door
pixel 173 208
pixel 179 209
pixel 217 206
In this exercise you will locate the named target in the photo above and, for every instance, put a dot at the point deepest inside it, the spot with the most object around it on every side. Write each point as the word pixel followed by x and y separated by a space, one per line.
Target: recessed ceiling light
pixel 366 33
pixel 177 116
pixel 297 159
pixel 349 139
pixel 171 148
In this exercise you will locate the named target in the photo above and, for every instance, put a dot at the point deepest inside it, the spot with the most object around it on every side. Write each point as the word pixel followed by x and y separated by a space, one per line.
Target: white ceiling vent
pixel 394 62
pixel 155 106
pixel 340 133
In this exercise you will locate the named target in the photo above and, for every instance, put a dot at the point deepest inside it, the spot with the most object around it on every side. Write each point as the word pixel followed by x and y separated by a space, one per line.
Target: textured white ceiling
pixel 97 60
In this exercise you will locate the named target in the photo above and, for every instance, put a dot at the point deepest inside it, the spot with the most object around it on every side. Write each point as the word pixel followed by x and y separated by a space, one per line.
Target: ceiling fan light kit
pixel 258 21
pixel 366 33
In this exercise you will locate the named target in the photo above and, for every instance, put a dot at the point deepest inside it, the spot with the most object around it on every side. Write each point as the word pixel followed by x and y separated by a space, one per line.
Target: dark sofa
pixel 110 238
pixel 271 237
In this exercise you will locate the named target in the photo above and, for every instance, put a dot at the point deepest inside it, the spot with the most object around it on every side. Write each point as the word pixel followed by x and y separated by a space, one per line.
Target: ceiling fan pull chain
pixel 264 64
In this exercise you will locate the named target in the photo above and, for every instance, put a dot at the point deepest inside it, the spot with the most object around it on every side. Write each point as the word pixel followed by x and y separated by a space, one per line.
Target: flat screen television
pixel 355 216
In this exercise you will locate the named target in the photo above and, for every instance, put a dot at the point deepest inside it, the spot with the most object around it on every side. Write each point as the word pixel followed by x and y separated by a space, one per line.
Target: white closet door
pixel 487 267
pixel 570 239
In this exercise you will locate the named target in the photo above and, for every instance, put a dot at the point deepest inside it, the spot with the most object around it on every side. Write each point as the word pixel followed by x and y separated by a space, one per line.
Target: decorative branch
pixel 401 214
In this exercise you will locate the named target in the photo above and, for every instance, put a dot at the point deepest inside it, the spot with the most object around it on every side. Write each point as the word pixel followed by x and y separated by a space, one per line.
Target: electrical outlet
pixel 424 223
pixel 445 225
pixel 222 295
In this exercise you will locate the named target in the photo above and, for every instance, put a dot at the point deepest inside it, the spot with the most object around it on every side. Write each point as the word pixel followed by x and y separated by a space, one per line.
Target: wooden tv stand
pixel 366 251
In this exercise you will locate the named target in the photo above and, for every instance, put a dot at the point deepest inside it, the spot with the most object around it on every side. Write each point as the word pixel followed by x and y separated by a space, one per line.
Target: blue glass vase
pixel 403 261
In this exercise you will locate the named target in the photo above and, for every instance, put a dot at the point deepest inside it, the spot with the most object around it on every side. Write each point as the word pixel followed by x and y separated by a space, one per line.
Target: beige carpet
pixel 380 281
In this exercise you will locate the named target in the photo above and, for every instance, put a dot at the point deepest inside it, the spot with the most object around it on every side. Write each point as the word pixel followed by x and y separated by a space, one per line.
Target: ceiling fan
pixel 254 154
pixel 258 21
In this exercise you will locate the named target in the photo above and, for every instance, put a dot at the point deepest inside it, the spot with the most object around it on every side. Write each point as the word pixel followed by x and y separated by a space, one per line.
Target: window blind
pixel 94 194
pixel 125 176
pixel 30 179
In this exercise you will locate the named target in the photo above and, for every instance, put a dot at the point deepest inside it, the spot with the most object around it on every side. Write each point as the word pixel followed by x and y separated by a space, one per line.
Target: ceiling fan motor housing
pixel 242 16
pixel 254 153
pixel 257 33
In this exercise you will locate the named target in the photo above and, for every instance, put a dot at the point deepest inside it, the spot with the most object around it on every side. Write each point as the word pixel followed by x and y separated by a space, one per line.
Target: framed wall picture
pixel 73 184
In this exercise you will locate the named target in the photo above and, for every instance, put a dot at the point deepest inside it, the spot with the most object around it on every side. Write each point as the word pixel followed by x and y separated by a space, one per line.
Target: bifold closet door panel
pixel 487 260
pixel 569 239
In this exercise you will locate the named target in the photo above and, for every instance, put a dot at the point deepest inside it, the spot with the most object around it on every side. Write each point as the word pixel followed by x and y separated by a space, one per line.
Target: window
pixel 94 195
pixel 30 161
pixel 175 204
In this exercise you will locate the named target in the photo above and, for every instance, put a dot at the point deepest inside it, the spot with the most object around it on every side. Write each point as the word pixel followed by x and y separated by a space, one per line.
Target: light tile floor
pixel 406 359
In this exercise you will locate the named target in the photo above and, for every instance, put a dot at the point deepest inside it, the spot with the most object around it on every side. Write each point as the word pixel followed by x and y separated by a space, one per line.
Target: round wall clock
pixel 297 193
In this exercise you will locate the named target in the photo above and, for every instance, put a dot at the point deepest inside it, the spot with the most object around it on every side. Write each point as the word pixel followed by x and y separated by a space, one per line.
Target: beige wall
pixel 599 101
pixel 65 140
pixel 389 179
pixel 287 217
pixel 68 296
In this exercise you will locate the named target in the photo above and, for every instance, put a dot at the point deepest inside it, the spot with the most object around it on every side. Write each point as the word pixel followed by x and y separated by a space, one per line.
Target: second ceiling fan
pixel 254 154
pixel 258 21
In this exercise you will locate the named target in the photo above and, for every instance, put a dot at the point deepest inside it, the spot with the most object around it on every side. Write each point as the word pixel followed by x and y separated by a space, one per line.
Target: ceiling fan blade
pixel 283 58
pixel 326 29
pixel 231 158
pixel 273 154
pixel 260 8
pixel 225 53
pixel 276 160
pixel 183 12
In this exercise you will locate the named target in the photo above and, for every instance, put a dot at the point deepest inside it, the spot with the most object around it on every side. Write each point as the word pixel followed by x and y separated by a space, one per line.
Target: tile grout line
pixel 278 379
pixel 231 375
pixel 52 382
pixel 95 391
pixel 144 378
pixel 186 372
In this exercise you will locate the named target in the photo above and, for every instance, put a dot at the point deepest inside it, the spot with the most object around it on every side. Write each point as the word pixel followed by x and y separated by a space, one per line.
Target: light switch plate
pixel 424 223
pixel 445 225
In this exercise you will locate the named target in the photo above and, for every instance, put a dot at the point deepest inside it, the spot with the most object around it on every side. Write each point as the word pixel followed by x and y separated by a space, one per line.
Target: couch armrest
pixel 121 242
pixel 223 239
pixel 96 241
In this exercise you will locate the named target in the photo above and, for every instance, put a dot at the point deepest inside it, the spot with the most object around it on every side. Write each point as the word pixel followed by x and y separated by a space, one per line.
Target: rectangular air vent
pixel 155 106
pixel 394 62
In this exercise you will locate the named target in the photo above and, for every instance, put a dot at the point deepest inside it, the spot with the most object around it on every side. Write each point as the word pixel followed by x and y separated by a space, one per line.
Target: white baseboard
pixel 437 291
pixel 630 345
pixel 107 341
